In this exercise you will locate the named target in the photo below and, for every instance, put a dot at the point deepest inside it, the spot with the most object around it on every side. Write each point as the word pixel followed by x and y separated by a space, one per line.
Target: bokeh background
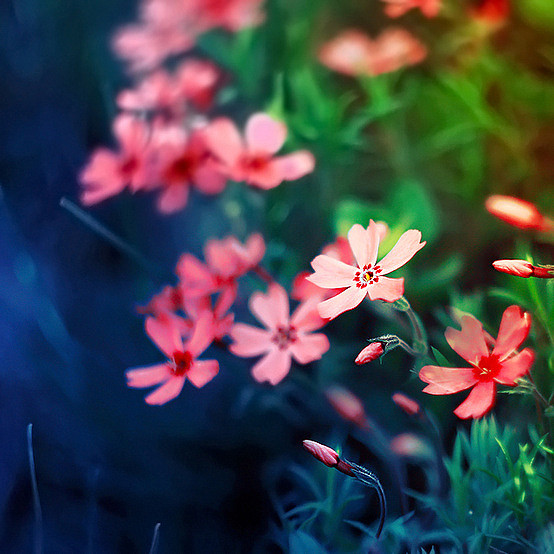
pixel 422 148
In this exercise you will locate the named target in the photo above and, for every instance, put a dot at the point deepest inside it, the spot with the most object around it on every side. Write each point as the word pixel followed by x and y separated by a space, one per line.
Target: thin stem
pixel 36 499
pixel 155 539
pixel 408 348
pixel 263 274
pixel 541 310
pixel 420 336
pixel 101 230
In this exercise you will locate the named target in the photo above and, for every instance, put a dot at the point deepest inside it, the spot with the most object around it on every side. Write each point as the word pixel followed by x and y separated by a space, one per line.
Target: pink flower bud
pixel 370 352
pixel 347 405
pixel 323 453
pixel 410 446
pixel 521 268
pixel 518 213
pixel 405 403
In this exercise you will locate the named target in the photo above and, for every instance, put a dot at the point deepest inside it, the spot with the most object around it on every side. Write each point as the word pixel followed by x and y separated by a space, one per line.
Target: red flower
pixel 283 338
pixel 397 8
pixel 504 364
pixel 521 268
pixel 182 360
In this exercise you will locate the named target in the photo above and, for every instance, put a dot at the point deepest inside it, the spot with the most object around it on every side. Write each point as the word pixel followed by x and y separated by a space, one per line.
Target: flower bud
pixel 518 213
pixel 521 268
pixel 405 403
pixel 323 453
pixel 347 405
pixel 410 446
pixel 370 352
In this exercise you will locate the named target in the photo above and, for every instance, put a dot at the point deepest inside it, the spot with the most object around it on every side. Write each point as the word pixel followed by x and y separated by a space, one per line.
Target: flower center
pixel 284 336
pixel 487 367
pixel 367 275
pixel 128 167
pixel 180 363
pixel 256 162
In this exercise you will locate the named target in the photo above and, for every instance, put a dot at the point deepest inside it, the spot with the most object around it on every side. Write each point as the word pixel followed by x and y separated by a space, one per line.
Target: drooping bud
pixel 522 268
pixel 323 453
pixel 347 405
pixel 371 352
pixel 517 212
pixel 405 403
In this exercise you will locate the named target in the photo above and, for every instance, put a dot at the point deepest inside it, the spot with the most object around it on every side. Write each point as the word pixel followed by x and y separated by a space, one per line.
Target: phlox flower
pixel 183 160
pixel 182 363
pixel 226 261
pixel 107 172
pixel 397 8
pixel 221 321
pixel 499 363
pixel 197 81
pixel 284 337
pixel 354 53
pixel 366 277
pixel 252 160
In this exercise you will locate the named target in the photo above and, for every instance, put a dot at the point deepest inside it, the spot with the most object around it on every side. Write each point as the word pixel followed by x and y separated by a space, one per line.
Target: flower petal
pixel 387 289
pixel 168 391
pixel 306 318
pixel 515 367
pixel 308 348
pixel 224 140
pixel 271 309
pixel 202 372
pixel 470 342
pixel 296 165
pixel 446 380
pixel 264 134
pixel 406 247
pixel 514 328
pixel 479 401
pixel 202 334
pixel 345 300
pixel 173 198
pixel 273 367
pixel 141 377
pixel 331 273
pixel 249 340
pixel 164 333
pixel 364 243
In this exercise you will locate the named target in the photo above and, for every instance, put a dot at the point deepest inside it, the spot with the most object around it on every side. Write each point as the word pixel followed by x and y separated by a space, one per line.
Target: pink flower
pixel 409 445
pixel 182 360
pixel 492 12
pixel 252 160
pixel 227 260
pixel 184 161
pixel 504 364
pixel 232 15
pixel 221 322
pixel 283 338
pixel 397 8
pixel 406 404
pixel 517 212
pixel 354 53
pixel 367 277
pixel 521 268
pixel 347 405
pixel 196 82
pixel 323 453
pixel 108 173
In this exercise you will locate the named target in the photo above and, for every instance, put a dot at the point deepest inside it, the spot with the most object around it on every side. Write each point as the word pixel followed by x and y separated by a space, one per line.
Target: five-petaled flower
pixel 503 364
pixel 182 363
pixel 284 337
pixel 367 278
pixel 253 159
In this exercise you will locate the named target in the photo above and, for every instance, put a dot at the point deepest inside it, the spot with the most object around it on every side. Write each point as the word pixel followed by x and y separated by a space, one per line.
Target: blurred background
pixel 418 148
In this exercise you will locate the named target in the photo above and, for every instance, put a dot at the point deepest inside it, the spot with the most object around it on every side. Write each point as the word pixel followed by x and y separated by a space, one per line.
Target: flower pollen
pixel 487 368
pixel 367 276
pixel 284 336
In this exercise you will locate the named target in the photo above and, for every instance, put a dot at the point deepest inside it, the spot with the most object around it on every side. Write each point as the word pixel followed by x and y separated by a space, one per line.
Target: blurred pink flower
pixel 504 364
pixel 226 261
pixel 184 161
pixel 397 8
pixel 221 322
pixel 354 53
pixel 522 268
pixel 409 445
pixel 517 212
pixel 492 12
pixel 197 81
pixel 283 338
pixel 406 404
pixel 367 277
pixel 252 160
pixel 182 361
pixel 347 405
pixel 108 173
